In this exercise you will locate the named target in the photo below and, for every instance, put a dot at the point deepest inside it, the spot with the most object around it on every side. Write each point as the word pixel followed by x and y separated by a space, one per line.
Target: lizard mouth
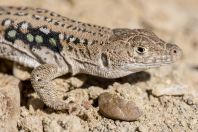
pixel 161 60
pixel 151 63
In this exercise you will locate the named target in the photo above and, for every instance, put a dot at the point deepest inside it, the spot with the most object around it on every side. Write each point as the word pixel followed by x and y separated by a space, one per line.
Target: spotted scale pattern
pixel 39 36
pixel 82 32
pixel 34 36
pixel 40 29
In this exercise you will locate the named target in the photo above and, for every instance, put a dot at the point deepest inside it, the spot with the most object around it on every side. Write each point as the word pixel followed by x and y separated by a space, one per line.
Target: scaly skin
pixel 54 45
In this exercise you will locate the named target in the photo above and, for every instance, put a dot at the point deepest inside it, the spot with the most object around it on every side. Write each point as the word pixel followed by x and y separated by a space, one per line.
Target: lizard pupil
pixel 140 50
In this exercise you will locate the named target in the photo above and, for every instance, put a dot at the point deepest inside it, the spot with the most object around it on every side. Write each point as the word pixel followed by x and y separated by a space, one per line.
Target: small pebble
pixel 114 107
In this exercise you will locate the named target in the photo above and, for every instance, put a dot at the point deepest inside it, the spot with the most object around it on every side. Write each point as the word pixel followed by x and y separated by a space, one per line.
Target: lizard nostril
pixel 174 51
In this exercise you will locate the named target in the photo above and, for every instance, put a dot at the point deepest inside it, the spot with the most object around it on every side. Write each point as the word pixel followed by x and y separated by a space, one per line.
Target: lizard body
pixel 54 45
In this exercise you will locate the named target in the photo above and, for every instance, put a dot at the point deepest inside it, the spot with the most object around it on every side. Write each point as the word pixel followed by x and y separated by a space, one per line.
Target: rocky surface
pixel 168 96
pixel 10 103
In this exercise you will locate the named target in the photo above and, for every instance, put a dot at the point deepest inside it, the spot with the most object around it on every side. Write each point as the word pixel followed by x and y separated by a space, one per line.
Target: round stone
pixel 12 33
pixel 39 39
pixel 30 37
pixel 114 107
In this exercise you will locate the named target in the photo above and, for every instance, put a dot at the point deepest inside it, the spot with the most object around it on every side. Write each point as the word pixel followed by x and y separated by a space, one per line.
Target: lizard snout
pixel 174 51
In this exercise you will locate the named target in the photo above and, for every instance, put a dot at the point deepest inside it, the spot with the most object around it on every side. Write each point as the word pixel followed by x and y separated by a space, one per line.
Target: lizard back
pixel 47 20
pixel 41 29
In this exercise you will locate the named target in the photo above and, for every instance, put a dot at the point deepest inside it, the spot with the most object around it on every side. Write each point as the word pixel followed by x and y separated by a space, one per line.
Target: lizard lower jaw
pixel 159 63
pixel 136 67
pixel 161 60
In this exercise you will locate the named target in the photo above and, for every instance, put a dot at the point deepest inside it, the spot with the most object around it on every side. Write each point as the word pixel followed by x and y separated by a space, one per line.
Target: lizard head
pixel 130 51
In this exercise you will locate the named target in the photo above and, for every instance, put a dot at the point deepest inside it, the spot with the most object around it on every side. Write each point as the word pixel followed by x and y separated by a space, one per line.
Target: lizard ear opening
pixel 104 60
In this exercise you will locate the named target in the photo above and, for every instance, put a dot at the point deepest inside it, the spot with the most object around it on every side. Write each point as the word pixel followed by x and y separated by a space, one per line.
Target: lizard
pixel 53 45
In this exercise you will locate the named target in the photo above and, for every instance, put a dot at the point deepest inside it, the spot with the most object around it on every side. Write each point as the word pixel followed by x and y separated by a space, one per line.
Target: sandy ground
pixel 167 96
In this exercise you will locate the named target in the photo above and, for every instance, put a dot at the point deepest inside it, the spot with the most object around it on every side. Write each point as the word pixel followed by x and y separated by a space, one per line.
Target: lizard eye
pixel 140 50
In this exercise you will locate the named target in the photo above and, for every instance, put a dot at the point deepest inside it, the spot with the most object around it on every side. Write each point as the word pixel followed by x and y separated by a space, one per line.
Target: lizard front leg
pixel 41 79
